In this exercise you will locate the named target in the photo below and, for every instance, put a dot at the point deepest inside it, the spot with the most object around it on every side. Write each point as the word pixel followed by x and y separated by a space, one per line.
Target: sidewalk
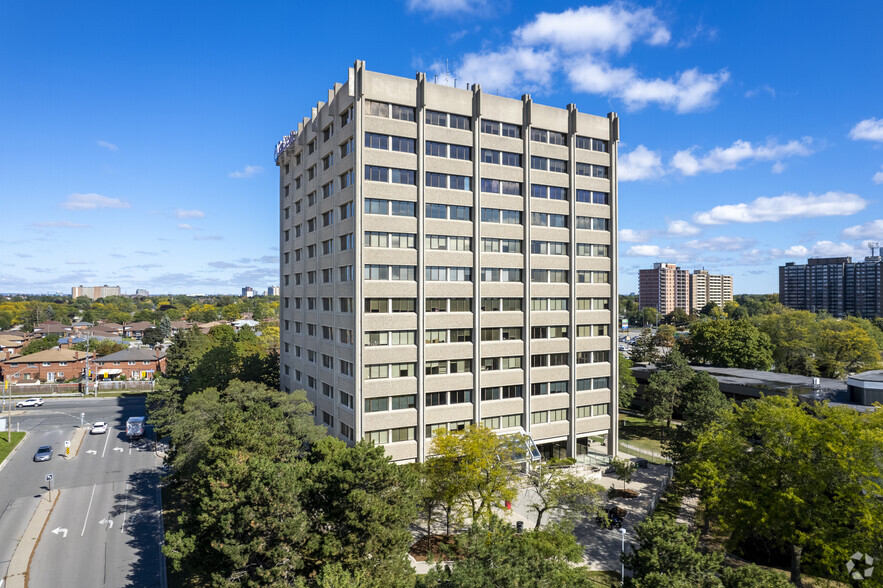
pixel 16 575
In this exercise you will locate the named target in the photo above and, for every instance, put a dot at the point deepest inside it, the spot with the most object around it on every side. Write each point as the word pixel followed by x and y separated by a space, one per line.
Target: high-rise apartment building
pixel 95 292
pixel 448 257
pixel 273 290
pixel 667 287
pixel 836 285
pixel 248 292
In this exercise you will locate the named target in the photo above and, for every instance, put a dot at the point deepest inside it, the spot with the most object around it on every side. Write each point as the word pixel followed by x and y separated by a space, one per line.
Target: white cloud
pixel 595 29
pixel 869 129
pixel 725 158
pixel 829 248
pixel 640 164
pixel 249 171
pixel 107 145
pixel 181 213
pixel 446 7
pixel 647 251
pixel 633 236
pixel 92 201
pixel 690 90
pixel 579 44
pixel 186 227
pixel 208 237
pixel 681 228
pixel 720 244
pixel 75 262
pixel 778 167
pixel 869 230
pixel 878 177
pixel 504 71
pixel 783 207
pixel 765 88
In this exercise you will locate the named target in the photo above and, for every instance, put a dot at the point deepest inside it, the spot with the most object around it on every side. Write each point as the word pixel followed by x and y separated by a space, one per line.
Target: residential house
pixel 11 344
pixel 136 330
pixel 52 365
pixel 137 363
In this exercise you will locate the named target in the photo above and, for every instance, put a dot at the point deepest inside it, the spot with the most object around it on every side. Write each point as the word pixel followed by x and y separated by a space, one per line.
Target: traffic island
pixel 17 574
pixel 76 442
pixel 7 448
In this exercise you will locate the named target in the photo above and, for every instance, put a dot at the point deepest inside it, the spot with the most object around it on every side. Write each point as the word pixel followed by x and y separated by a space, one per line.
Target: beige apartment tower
pixel 667 287
pixel 448 257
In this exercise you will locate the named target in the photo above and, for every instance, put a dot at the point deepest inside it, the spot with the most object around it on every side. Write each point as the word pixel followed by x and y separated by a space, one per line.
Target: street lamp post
pixel 621 554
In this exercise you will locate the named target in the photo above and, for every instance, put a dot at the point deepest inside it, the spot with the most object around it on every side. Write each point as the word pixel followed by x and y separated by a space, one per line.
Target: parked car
pixel 30 402
pixel 44 453
pixel 98 428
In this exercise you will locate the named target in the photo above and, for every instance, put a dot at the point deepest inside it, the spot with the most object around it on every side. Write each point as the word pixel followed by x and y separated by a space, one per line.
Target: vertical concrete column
pixel 356 91
pixel 476 255
pixel 571 328
pixel 526 104
pixel 421 269
pixel 612 148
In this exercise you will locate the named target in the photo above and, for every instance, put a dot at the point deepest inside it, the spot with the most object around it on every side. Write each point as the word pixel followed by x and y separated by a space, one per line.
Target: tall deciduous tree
pixel 554 488
pixel 809 479
pixel 483 465
pixel 729 344
pixel 666 554
pixel 628 384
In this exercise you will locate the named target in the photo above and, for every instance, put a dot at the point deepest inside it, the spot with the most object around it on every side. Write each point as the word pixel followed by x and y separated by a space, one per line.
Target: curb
pixel 14 449
pixel 19 565
pixel 77 442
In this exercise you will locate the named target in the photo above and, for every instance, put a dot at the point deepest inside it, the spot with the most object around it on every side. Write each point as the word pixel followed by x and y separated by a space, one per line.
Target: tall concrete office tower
pixel 449 257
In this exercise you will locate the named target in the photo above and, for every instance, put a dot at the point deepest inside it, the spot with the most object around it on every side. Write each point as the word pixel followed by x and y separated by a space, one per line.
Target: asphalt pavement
pixel 105 529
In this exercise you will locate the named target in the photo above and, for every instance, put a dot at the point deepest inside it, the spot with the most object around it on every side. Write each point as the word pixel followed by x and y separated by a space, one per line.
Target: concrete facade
pixel 448 257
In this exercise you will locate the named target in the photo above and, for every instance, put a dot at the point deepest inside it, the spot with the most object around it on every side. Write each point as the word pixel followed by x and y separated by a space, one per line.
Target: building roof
pixel 139 326
pixel 871 376
pixel 11 341
pixel 108 326
pixel 132 354
pixel 50 355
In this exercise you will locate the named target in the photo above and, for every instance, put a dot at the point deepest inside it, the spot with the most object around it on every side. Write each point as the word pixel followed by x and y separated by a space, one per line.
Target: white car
pixel 30 402
pixel 98 428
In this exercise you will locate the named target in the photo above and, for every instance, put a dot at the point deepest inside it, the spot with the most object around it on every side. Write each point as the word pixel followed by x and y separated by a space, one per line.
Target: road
pixel 105 529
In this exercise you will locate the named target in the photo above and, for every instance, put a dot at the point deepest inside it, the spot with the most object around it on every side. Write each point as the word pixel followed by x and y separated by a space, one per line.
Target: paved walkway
pixel 602 546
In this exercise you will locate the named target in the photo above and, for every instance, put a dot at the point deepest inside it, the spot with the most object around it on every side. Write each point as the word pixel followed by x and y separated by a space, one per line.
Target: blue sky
pixel 136 140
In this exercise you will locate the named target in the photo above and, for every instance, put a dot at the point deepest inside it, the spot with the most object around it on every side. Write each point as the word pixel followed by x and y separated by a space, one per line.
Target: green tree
pixel 649 316
pixel 230 312
pixel 628 384
pixel 729 344
pixel 807 479
pixel 152 336
pixel 665 336
pixel 702 404
pixel 491 553
pixel 556 489
pixel 664 391
pixel 624 469
pixel 360 506
pixel 666 554
pixel 678 317
pixel 165 326
pixel 844 347
pixel 485 470
pixel 644 349
pixel 42 344
pixel 793 336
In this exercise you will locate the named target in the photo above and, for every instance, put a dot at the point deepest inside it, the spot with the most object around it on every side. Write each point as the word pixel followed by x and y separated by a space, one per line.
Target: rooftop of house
pixel 50 355
pixel 133 354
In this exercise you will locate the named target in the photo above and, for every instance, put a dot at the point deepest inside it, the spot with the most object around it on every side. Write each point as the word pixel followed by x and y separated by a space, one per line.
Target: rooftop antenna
pixel 872 246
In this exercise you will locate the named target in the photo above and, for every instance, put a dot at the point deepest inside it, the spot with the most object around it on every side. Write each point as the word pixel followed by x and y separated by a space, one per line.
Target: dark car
pixel 44 453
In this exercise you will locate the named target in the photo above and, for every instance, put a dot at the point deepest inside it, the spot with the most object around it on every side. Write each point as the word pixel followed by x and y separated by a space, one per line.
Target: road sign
pixel 67 443
pixel 48 477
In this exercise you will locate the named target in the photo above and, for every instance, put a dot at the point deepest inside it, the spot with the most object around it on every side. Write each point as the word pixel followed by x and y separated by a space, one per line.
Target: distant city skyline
pixel 752 133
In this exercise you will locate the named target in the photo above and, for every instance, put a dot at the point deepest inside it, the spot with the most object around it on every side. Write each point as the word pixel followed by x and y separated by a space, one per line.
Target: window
pixel 346 116
pixel 436 368
pixel 460 366
pixel 346 148
pixel 374 372
pixel 376 141
pixel 346 368
pixel 327 304
pixel 460 396
pixel 434 180
pixel 378 437
pixel 376 174
pixel 346 431
pixel 327 161
pixel 436 336
pixel 327 276
pixel 327 247
pixel 401 370
pixel 592 197
pixel 346 210
pixel 376 404
pixel 346 273
pixel 373 108
pixel 403 434
pixel 327 218
pixel 403 402
pixel 436 305
pixel 460 305
pixel 404 305
pixel 403 144
pixel 403 112
pixel 346 400
pixel 346 242
pixel 559 414
pixel 489 156
pixel 436 118
pixel 461 152
pixel 436 398
pixel 400 208
pixel 460 122
pixel 461 335
pixel 345 336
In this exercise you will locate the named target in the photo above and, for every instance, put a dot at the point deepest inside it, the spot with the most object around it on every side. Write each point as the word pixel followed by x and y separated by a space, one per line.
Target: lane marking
pixel 106 439
pixel 125 509
pixel 87 510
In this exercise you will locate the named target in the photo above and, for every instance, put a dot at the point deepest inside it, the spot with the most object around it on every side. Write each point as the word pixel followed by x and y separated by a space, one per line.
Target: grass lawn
pixel 6 448
pixel 642 434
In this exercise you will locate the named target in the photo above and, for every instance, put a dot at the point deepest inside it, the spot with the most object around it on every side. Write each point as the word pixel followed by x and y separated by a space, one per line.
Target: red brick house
pixel 140 363
pixel 52 365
